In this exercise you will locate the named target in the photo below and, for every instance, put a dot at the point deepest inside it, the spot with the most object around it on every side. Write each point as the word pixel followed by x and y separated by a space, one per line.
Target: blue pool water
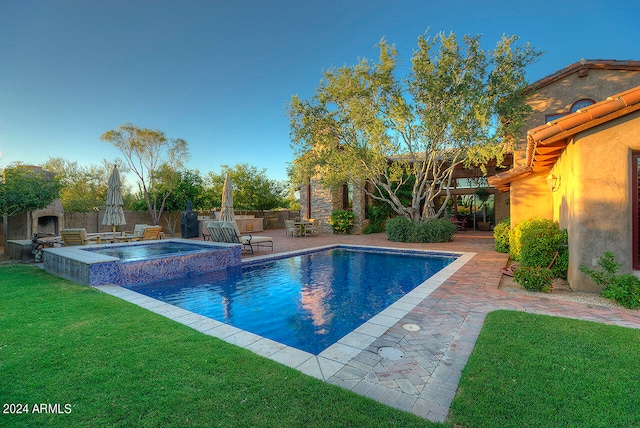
pixel 306 301
pixel 145 251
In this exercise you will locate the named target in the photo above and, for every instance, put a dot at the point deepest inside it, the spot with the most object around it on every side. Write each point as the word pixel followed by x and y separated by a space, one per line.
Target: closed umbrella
pixel 226 213
pixel 114 214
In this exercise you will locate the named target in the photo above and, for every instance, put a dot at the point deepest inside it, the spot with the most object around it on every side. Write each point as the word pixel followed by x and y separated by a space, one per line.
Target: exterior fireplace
pixel 47 221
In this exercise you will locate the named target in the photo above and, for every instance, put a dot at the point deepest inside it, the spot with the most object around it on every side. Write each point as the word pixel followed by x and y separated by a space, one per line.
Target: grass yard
pixel 540 371
pixel 100 361
pixel 116 364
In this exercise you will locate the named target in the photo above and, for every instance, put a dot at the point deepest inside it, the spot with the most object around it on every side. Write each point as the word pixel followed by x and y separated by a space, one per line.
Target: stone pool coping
pixel 335 359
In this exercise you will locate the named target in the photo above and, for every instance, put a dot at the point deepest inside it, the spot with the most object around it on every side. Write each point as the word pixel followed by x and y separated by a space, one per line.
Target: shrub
pixel 377 215
pixel 341 221
pixel 436 230
pixel 401 229
pixel 623 289
pixel 534 278
pixel 536 241
pixel 501 234
pixel 514 241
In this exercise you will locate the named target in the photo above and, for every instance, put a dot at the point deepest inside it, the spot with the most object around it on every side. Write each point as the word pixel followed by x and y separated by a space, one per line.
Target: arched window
pixel 581 104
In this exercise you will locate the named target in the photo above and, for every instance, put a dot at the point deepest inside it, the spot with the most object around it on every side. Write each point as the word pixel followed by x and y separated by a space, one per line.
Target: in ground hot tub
pixel 139 262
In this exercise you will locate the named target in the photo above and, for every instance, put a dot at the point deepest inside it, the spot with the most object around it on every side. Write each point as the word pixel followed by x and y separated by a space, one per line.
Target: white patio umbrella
pixel 226 213
pixel 114 214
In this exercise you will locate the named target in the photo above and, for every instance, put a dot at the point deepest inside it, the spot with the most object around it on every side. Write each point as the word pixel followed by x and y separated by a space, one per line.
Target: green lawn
pixel 119 365
pixel 116 364
pixel 539 371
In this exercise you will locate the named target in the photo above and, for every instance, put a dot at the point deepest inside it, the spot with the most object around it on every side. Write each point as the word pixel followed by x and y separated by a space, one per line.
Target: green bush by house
pixel 540 246
pixel 623 289
pixel 501 235
pixel 341 221
pixel 377 215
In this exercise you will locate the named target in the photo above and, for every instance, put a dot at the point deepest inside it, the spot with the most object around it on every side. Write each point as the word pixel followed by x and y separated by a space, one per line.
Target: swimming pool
pixel 307 301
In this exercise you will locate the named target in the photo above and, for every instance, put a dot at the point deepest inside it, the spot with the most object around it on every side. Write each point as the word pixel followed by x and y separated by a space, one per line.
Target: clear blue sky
pixel 219 73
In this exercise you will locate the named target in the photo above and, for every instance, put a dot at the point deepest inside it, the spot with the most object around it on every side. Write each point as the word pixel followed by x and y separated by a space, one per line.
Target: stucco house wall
pixel 590 157
pixel 530 198
pixel 593 199
pixel 555 94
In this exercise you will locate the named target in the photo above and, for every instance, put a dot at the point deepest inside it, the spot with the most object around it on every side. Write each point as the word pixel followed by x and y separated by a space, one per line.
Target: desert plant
pixel 501 235
pixel 341 221
pixel 623 289
pixel 534 278
pixel 608 266
pixel 483 195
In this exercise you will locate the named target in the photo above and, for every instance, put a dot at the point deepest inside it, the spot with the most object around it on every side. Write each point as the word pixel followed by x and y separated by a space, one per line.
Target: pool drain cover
pixel 411 327
pixel 390 353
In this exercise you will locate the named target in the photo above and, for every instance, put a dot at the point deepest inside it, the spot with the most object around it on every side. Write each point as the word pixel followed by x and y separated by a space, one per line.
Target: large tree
pixel 84 188
pixel 26 188
pixel 458 105
pixel 154 158
pixel 252 189
pixel 189 188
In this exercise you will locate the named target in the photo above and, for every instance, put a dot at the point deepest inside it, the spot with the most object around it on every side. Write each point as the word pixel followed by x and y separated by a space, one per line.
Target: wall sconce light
pixel 552 182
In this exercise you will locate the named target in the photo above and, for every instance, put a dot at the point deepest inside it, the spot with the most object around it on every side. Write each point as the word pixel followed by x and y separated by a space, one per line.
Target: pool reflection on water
pixel 307 301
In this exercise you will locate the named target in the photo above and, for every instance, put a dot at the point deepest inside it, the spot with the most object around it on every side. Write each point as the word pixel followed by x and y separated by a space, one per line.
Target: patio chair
pixel 460 225
pixel 78 237
pixel 231 235
pixel 291 228
pixel 149 233
pixel 313 228
pixel 137 231
pixel 215 233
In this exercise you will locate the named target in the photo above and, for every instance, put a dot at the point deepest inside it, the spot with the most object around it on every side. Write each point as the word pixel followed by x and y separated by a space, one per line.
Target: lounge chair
pixel 143 232
pixel 215 234
pixel 78 237
pixel 227 231
pixel 137 231
pixel 460 225
pixel 151 232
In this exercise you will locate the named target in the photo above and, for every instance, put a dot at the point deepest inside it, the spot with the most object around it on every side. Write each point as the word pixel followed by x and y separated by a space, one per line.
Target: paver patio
pixel 450 318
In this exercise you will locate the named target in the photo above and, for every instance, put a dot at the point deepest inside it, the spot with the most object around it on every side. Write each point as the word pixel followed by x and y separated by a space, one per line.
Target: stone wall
pixel 324 201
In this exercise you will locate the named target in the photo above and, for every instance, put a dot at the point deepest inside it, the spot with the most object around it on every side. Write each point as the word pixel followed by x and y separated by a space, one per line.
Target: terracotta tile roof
pixel 546 143
pixel 503 180
pixel 591 64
